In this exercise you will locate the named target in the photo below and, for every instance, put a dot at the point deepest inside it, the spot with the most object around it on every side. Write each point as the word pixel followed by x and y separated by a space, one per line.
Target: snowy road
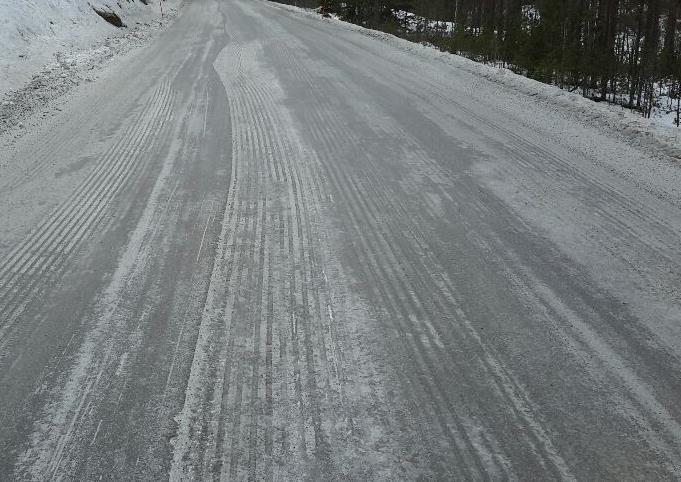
pixel 274 246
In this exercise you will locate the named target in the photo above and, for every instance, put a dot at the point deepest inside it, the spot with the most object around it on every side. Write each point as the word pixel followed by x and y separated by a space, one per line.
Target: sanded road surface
pixel 274 246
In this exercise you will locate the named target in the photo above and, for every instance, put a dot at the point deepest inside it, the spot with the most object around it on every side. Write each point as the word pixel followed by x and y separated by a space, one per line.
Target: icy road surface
pixel 273 246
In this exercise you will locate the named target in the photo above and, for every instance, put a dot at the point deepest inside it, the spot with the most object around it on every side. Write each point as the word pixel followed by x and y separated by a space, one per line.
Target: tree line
pixel 620 51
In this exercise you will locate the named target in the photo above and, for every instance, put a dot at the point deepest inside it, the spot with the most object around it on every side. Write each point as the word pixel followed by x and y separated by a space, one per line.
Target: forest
pixel 618 51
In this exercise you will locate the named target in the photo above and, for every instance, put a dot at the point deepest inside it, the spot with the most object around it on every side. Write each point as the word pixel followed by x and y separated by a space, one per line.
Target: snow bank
pixel 33 32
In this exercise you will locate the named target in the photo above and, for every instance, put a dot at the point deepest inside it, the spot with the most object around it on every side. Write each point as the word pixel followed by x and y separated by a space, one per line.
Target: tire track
pixel 316 361
pixel 325 137
pixel 524 152
pixel 204 446
pixel 240 321
pixel 385 287
pixel 104 167
pixel 336 132
pixel 46 251
pixel 444 302
pixel 388 246
pixel 116 336
pixel 274 266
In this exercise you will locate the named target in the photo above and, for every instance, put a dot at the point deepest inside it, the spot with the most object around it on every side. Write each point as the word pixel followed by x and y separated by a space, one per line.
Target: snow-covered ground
pixel 47 47
pixel 34 33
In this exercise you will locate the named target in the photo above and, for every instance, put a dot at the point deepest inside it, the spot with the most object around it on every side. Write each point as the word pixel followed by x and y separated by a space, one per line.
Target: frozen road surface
pixel 273 246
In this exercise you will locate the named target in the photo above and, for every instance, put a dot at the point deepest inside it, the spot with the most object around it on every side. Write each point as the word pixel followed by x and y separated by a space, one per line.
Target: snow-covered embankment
pixel 38 34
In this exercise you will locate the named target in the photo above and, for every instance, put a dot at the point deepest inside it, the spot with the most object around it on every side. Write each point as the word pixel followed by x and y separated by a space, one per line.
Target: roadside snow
pixel 34 32
pixel 47 49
